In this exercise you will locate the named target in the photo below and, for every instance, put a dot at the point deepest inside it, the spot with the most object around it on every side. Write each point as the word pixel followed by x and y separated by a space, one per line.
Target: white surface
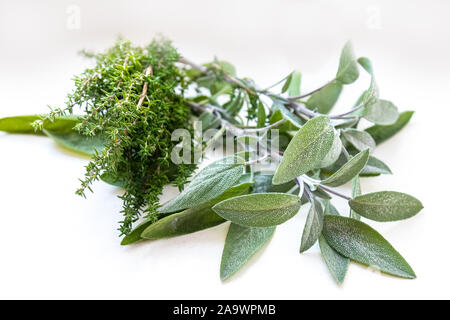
pixel 54 244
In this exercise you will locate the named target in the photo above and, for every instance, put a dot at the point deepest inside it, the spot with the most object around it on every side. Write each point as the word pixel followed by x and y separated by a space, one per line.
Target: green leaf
pixel 191 220
pixel 359 242
pixel 352 168
pixel 306 150
pixel 333 154
pixel 294 121
pixel 76 142
pixel 375 166
pixel 336 263
pixel 313 226
pixel 295 81
pixel 361 140
pixel 348 68
pixel 263 184
pixel 110 179
pixel 261 116
pixel 259 209
pixel 135 235
pixel 381 112
pixel 381 133
pixel 366 64
pixel 356 191
pixel 241 244
pixel 22 124
pixel 386 206
pixel 287 83
pixel 325 99
pixel 208 184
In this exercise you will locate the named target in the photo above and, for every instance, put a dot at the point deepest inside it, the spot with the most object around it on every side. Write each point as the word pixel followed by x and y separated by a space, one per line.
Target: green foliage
pixel 313 226
pixel 259 209
pixel 381 133
pixel 209 183
pixel 386 206
pixel 135 97
pixel 336 263
pixel 324 100
pixel 359 242
pixel 241 244
pixel 348 68
pixel 23 124
pixel 306 150
pixel 349 170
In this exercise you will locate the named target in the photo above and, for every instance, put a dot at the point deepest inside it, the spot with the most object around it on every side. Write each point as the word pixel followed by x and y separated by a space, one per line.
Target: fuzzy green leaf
pixel 295 81
pixel 191 220
pixel 382 133
pixel 352 168
pixel 259 209
pixel 386 206
pixel 306 150
pixel 348 68
pixel 208 184
pixel 241 244
pixel 22 124
pixel 381 112
pixel 333 154
pixel 263 184
pixel 325 99
pixel 313 226
pixel 359 242
pixel 77 142
pixel 336 263
pixel 356 191
pixel 375 166
pixel 361 140
pixel 261 116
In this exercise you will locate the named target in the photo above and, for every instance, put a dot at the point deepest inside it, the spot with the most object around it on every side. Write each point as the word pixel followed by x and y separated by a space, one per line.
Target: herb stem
pixel 321 186
pixel 311 92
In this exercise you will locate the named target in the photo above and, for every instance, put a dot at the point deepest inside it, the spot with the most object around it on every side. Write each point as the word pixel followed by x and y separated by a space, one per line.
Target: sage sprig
pixel 135 99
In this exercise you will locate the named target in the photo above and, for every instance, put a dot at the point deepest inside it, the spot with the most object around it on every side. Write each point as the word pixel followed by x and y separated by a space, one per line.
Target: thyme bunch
pixel 133 99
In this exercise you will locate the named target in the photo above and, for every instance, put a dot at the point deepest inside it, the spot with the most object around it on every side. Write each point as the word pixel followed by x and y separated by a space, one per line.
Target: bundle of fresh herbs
pixel 286 150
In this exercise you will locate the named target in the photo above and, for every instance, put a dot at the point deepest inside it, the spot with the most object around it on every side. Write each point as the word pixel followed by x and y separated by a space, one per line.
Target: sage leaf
pixel 313 226
pixel 361 140
pixel 293 89
pixel 381 133
pixel 356 191
pixel 352 168
pixel 324 100
pixel 259 209
pixel 110 179
pixel 22 124
pixel 334 153
pixel 287 83
pixel 381 112
pixel 348 69
pixel 386 206
pixel 375 166
pixel 307 149
pixel 209 183
pixel 366 64
pixel 76 142
pixel 263 184
pixel 359 242
pixel 336 263
pixel 240 245
pixel 193 219
pixel 261 122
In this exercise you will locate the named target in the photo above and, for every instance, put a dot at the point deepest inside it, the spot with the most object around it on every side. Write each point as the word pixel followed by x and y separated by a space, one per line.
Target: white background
pixel 54 244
